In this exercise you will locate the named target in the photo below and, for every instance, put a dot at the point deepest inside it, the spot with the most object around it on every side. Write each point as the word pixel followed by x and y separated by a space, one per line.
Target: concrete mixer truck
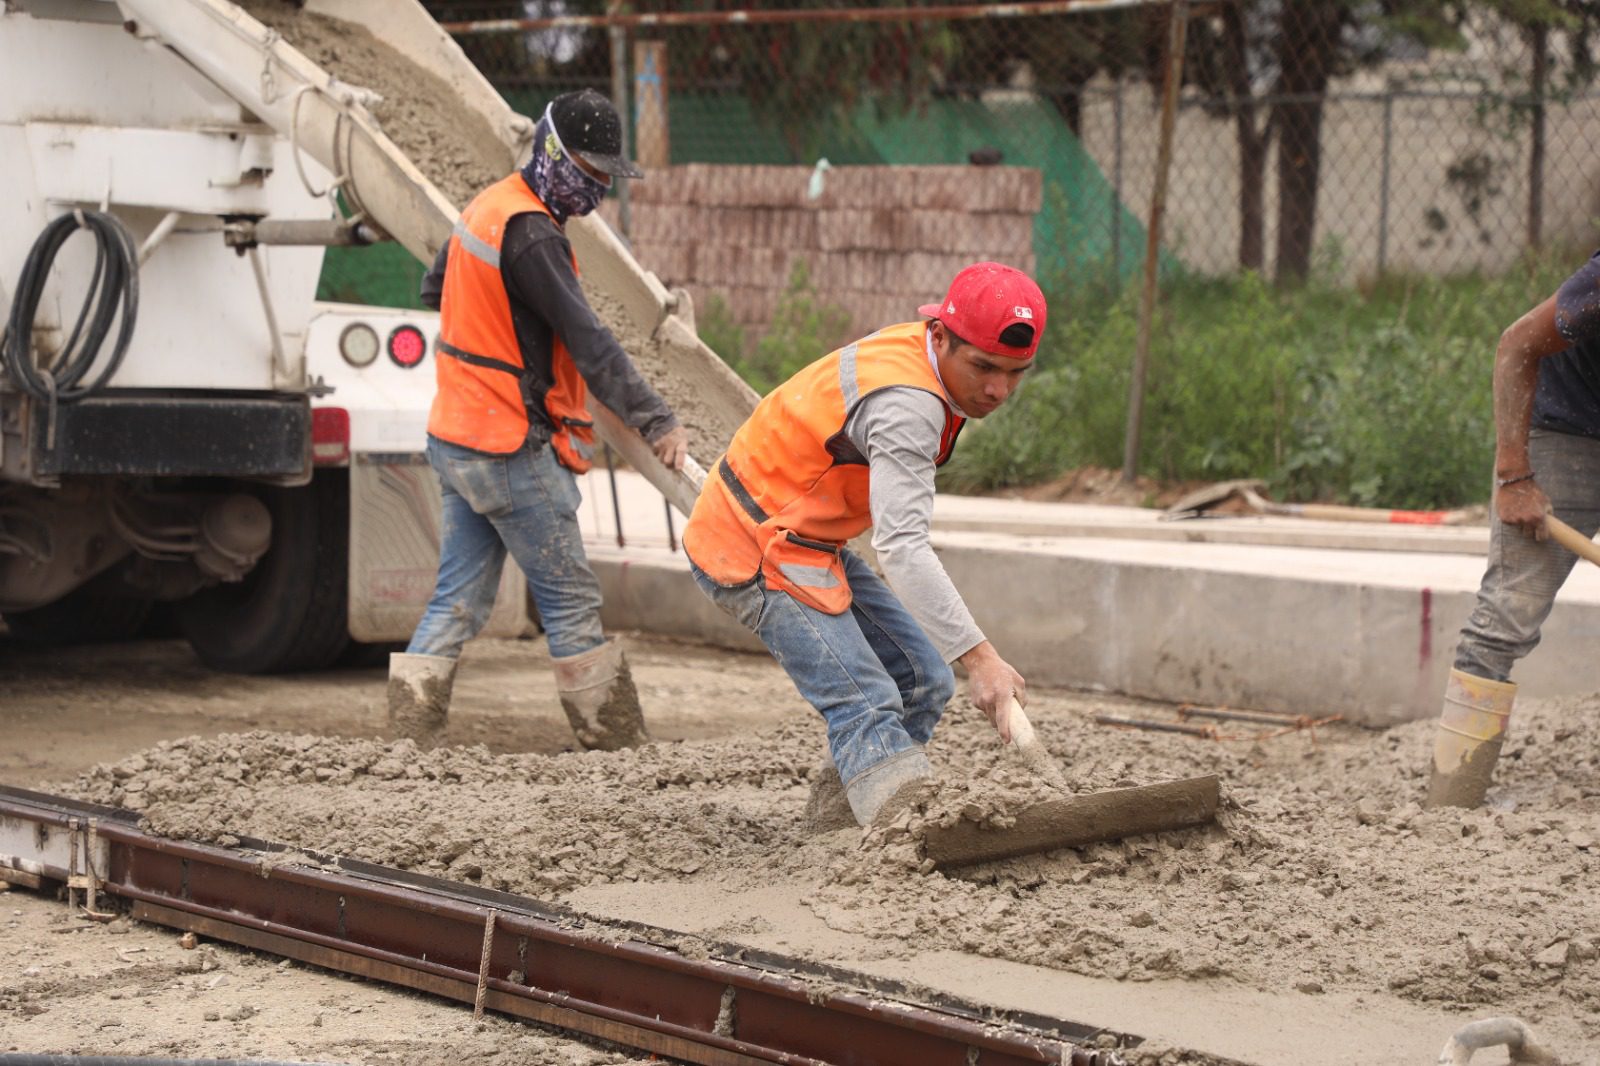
pixel 181 421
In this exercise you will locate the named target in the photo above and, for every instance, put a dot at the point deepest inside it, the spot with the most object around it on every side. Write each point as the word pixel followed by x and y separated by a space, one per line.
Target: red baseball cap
pixel 985 300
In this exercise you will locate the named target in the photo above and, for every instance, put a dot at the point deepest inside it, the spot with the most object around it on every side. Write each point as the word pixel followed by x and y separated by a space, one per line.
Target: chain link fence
pixel 875 154
pixel 817 170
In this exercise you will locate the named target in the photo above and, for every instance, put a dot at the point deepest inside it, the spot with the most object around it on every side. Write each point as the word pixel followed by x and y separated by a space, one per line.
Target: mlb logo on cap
pixel 998 308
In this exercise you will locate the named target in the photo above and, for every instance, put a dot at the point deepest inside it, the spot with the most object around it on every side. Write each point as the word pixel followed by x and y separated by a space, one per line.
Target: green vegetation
pixel 1378 398
pixel 804 328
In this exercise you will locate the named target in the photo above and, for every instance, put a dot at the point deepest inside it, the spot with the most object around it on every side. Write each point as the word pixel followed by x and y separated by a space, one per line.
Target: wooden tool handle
pixel 694 472
pixel 1572 540
pixel 1022 734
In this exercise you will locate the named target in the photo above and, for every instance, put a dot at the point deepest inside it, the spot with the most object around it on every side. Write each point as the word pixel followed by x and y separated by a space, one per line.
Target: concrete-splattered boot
pixel 419 696
pixel 871 791
pixel 1472 728
pixel 827 808
pixel 597 693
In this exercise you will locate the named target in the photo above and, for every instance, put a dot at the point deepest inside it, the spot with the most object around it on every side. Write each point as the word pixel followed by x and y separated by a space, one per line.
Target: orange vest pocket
pixel 574 445
pixel 812 571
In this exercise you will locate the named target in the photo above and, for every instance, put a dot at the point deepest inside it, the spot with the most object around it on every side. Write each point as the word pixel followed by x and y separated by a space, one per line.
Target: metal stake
pixel 1178 28
pixel 616 501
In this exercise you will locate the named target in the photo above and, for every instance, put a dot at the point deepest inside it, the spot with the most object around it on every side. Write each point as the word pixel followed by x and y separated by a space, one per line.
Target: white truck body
pixel 394 494
pixel 94 117
pixel 198 472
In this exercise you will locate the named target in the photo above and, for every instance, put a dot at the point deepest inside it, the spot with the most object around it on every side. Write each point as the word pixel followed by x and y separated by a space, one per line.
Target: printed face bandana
pixel 555 179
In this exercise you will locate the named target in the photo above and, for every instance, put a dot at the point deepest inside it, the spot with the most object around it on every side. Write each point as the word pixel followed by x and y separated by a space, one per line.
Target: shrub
pixel 721 333
pixel 1379 398
pixel 804 328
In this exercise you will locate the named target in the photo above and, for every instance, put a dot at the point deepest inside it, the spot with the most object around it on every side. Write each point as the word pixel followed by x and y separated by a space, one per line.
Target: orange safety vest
pixel 479 402
pixel 792 488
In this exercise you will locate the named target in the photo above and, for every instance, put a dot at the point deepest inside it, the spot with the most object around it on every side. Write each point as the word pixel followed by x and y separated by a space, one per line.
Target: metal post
pixel 1540 39
pixel 1116 186
pixel 616 500
pixel 617 35
pixel 1383 180
pixel 1178 28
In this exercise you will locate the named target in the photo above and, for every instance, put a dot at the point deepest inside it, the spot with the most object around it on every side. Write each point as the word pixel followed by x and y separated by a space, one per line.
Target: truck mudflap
pixel 394 552
pixel 134 436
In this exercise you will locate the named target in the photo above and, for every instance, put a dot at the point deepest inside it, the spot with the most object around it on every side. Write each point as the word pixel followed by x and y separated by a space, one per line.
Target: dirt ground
pixel 1327 919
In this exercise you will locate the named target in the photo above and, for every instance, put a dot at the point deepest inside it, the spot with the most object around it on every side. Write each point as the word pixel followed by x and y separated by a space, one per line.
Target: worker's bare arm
pixel 1520 501
pixel 991 681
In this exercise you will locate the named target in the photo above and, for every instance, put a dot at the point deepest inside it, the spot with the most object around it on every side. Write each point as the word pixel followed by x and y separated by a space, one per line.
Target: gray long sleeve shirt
pixel 547 302
pixel 898 430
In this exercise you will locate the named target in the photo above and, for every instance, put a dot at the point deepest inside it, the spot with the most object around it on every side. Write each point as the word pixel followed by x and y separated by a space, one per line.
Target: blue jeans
pixel 1520 585
pixel 871 672
pixel 527 503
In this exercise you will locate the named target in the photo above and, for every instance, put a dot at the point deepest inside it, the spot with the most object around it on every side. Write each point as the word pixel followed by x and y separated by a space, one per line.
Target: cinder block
pixel 881 229
pixel 774 186
pixel 859 187
pixel 710 263
pixel 656 223
pixel 983 236
pixel 839 229
pixel 672 262
pixel 943 188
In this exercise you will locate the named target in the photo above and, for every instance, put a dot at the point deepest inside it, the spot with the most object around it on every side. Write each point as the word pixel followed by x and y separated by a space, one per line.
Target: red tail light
pixel 330 436
pixel 407 346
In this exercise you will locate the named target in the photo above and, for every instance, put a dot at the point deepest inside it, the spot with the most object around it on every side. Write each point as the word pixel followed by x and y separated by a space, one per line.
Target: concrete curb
pixel 1366 634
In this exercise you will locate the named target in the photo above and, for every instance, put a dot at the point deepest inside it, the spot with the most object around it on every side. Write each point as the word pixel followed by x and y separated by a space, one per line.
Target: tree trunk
pixel 1539 42
pixel 1307 41
pixel 1252 211
pixel 1252 142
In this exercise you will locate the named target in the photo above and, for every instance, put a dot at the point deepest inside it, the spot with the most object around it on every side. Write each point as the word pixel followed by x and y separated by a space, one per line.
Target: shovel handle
pixel 1021 729
pixel 694 472
pixel 1572 540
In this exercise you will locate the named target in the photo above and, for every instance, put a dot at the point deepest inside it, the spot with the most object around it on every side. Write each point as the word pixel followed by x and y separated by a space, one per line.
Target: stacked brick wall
pixel 878 242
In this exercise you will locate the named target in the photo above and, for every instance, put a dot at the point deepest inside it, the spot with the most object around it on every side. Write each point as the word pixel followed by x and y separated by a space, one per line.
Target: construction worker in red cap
pixel 853 441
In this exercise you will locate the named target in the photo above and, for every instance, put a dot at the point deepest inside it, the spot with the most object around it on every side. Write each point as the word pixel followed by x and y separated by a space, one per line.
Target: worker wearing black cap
pixel 519 350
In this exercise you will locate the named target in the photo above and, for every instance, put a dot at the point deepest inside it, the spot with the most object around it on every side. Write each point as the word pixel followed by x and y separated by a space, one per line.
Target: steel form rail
pixel 621 982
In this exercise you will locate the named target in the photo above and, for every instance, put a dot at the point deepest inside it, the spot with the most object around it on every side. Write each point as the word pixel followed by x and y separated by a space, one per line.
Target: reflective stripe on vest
pixel 791 474
pixel 479 403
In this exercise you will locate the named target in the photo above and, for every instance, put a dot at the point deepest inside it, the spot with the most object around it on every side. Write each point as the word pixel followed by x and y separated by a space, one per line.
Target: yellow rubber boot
pixel 1472 728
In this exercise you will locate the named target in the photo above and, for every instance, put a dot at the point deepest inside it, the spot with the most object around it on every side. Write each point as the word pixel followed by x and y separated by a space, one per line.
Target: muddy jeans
pixel 1524 574
pixel 526 503
pixel 871 672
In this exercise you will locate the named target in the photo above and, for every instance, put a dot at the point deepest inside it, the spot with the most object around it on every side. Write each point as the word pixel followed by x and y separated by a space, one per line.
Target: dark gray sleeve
pixel 1578 303
pixel 539 274
pixel 898 430
pixel 433 281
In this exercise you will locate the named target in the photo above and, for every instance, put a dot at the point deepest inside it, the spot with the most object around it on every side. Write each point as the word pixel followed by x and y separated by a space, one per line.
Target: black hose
pixel 115 283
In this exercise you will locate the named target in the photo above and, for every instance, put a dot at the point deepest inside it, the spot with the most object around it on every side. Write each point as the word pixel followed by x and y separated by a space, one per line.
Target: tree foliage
pixel 802 78
pixel 1267 64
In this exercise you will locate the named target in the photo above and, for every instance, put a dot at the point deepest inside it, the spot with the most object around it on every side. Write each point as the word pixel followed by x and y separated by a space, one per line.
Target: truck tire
pixel 80 617
pixel 289 612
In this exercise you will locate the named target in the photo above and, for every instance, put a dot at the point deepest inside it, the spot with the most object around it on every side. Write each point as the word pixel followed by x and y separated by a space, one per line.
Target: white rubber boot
pixel 597 693
pixel 869 792
pixel 827 807
pixel 1472 729
pixel 419 696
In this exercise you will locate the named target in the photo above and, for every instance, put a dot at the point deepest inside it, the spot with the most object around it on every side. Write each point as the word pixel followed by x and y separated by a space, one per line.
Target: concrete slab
pixel 1215 1018
pixel 1366 633
pixel 1026 518
pixel 643 520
